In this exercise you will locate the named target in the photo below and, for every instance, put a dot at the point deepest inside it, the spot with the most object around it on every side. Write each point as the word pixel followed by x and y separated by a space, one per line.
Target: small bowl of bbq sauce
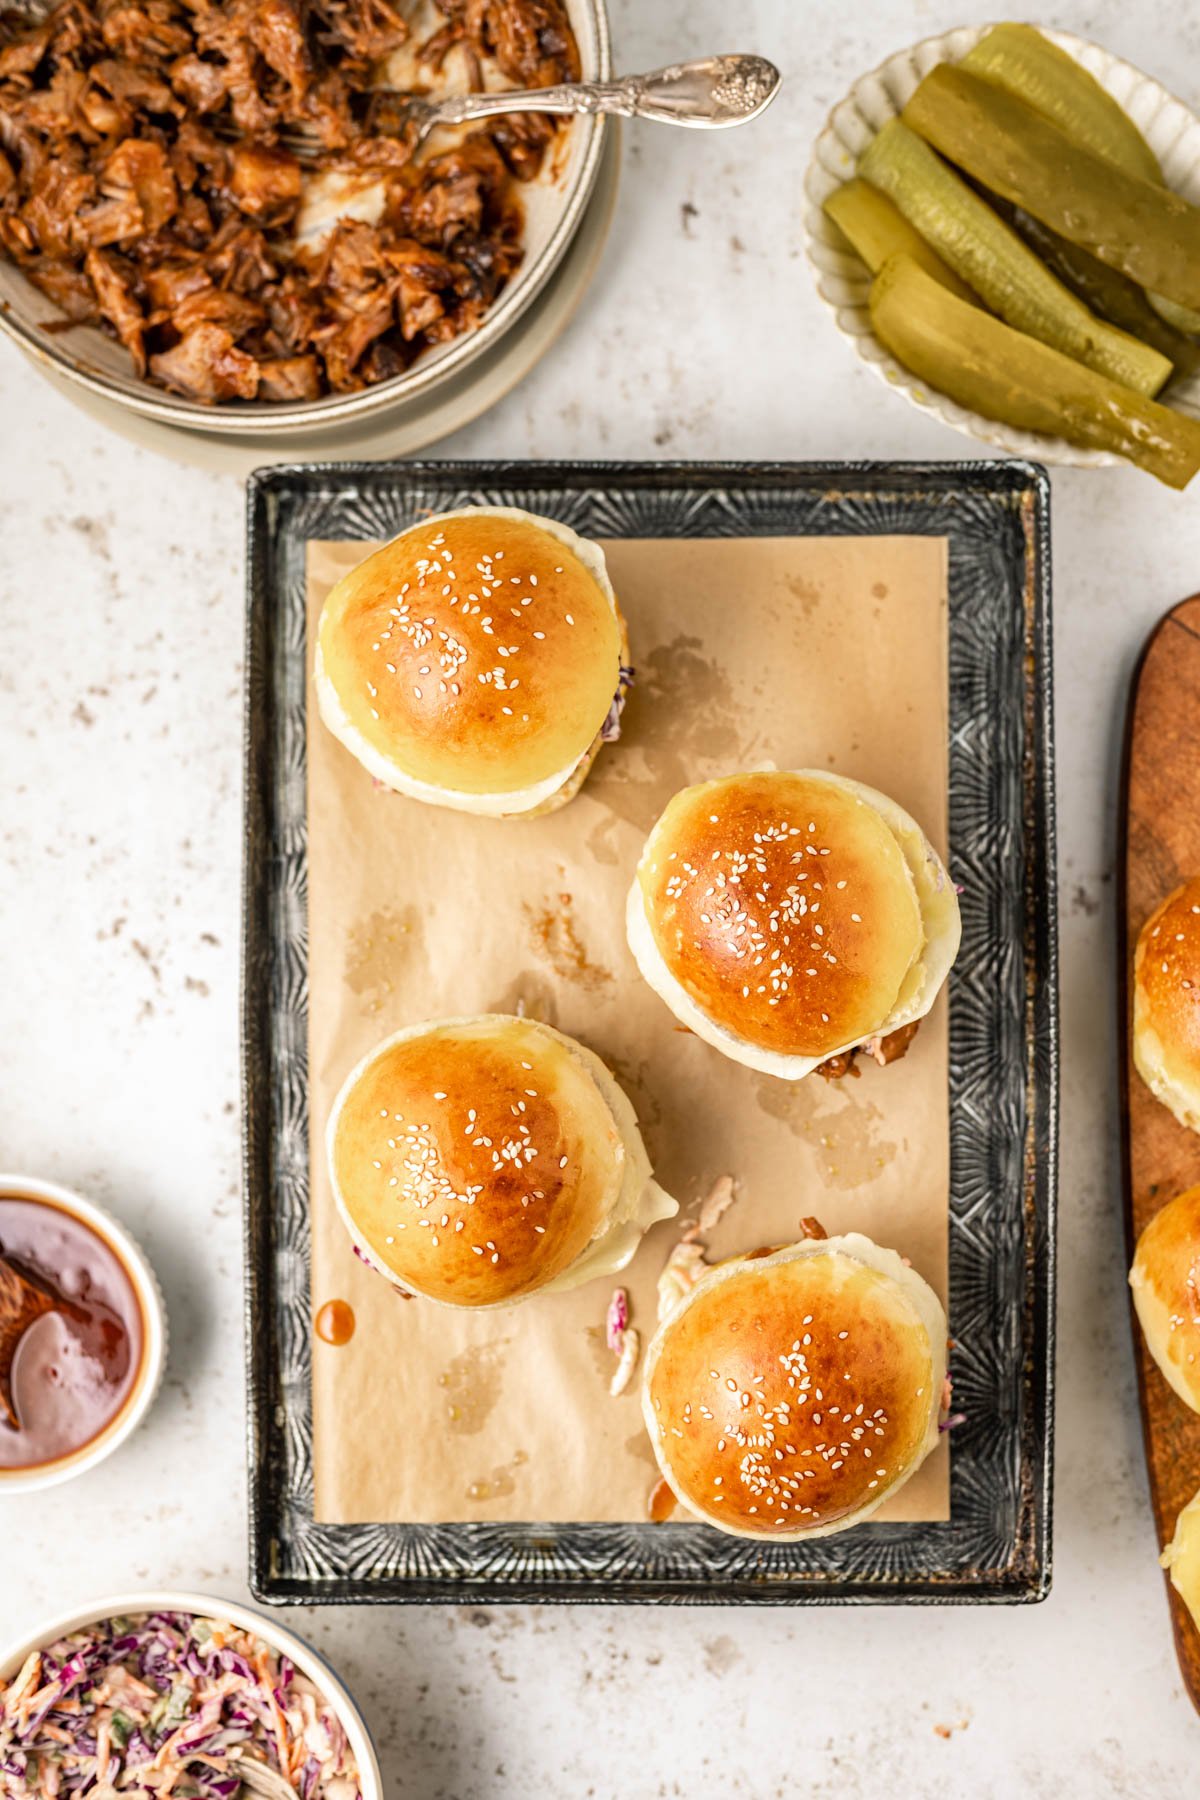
pixel 82 1334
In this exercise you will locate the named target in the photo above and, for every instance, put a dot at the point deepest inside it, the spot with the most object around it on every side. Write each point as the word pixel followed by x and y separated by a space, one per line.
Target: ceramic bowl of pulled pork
pixel 210 211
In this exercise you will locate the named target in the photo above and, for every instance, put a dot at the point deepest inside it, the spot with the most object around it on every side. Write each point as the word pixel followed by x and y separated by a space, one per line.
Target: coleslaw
pixel 166 1703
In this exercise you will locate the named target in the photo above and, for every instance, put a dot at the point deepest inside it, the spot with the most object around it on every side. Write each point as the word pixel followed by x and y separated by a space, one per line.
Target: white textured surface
pixel 121 597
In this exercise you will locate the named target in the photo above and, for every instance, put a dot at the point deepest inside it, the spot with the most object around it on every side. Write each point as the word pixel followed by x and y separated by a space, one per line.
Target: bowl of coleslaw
pixel 142 1695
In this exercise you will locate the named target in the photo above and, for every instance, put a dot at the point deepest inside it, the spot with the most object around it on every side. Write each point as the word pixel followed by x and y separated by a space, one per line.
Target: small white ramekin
pixel 1170 129
pixel 205 1606
pixel 154 1334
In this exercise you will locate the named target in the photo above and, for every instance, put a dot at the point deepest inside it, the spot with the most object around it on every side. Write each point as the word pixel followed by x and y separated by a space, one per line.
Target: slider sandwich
pixel 1165 1279
pixel 793 918
pixel 479 661
pixel 478 1161
pixel 1181 1558
pixel 1166 1003
pixel 789 1394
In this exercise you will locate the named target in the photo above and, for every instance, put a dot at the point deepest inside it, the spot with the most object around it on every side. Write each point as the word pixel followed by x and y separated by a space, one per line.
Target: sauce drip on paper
pixel 661 1503
pixel 335 1322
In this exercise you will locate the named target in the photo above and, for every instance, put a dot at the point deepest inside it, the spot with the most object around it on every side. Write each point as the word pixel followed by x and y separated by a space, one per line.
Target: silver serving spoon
pixel 707 94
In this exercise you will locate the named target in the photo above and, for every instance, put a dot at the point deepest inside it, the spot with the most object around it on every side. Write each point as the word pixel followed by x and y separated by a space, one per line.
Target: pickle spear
pixel 993 261
pixel 1019 58
pixel 1181 318
pixel 877 230
pixel 1145 231
pixel 1110 294
pixel 985 365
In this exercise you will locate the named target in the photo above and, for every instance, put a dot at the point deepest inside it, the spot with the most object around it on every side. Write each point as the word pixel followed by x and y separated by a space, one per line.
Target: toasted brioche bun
pixel 1166 1003
pixel 1181 1558
pixel 786 916
pixel 571 786
pixel 1165 1279
pixel 475 1161
pixel 788 1395
pixel 472 662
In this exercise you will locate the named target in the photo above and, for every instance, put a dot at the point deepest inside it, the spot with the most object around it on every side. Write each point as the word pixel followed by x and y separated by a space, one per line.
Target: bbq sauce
pixel 75 1365
pixel 661 1503
pixel 334 1324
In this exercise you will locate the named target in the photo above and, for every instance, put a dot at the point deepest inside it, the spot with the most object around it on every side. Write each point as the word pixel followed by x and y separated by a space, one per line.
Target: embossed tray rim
pixel 996 1545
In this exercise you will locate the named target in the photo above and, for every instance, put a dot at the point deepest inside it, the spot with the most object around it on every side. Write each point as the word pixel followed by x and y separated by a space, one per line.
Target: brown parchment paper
pixel 818 652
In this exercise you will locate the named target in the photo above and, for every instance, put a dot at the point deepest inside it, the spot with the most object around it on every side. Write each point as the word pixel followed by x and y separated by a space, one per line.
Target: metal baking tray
pixel 1003 1044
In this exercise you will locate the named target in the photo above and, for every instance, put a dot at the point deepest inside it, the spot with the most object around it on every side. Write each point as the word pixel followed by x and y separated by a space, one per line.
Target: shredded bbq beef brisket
pixel 123 198
pixel 882 1050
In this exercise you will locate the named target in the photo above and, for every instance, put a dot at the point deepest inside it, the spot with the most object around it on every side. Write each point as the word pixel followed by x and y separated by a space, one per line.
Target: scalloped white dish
pixel 843 282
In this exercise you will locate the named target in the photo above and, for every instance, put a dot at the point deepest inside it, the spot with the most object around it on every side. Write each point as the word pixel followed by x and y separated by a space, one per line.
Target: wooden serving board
pixel 1161 848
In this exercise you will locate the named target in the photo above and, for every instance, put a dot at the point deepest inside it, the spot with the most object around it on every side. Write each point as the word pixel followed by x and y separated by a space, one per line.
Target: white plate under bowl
pixel 843 281
pixel 408 425
pixel 554 204
pixel 204 1606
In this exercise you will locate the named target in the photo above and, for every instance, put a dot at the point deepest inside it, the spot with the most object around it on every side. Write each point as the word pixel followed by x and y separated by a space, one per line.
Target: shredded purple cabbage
pixel 190 1696
pixel 610 731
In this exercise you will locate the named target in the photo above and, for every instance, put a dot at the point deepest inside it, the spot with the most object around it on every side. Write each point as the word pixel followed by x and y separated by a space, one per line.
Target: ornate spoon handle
pixel 709 93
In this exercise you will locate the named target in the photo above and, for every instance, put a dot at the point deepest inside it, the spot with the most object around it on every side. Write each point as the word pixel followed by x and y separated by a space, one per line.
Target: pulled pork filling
pixel 882 1050
pixel 144 187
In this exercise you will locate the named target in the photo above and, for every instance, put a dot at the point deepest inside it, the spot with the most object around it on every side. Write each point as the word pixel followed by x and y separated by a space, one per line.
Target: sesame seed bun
pixel 1166 1003
pixel 788 1395
pixel 472 662
pixel 476 1161
pixel 787 916
pixel 1165 1279
pixel 1181 1558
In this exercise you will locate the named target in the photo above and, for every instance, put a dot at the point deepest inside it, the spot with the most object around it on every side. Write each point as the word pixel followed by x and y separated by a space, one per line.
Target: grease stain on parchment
pixel 640 1447
pixel 471 1383
pixel 806 593
pixel 529 996
pixel 554 936
pixel 840 1126
pixel 502 1480
pixel 601 841
pixel 603 1359
pixel 684 728
pixel 637 1080
pixel 377 950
